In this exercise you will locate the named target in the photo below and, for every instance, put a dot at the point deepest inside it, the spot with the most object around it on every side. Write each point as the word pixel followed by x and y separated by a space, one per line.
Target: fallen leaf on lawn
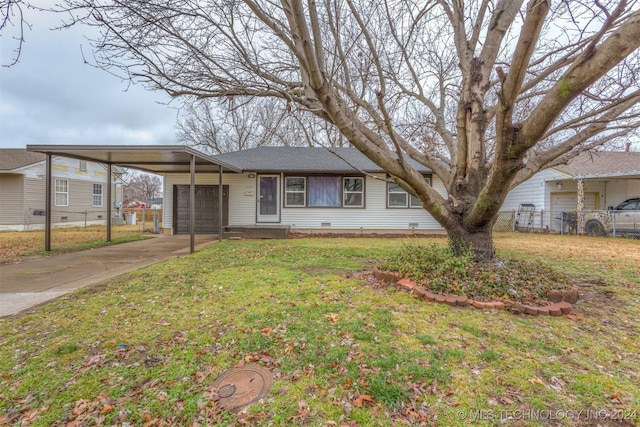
pixel 93 360
pixel 162 323
pixel 333 317
pixel 106 408
pixel 506 401
pixel 266 331
pixel 361 400
pixel 433 388
pixel 303 411
pixel 556 384
pixel 573 316
pixel 81 407
pixel 536 380
pixel 616 398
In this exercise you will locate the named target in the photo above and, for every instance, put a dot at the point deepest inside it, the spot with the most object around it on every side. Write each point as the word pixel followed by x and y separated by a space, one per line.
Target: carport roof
pixel 150 158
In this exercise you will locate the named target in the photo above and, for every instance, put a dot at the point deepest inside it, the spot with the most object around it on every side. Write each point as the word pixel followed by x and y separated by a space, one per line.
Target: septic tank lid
pixel 240 387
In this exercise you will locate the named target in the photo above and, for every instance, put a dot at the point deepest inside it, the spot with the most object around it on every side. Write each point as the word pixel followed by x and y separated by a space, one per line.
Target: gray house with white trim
pixel 308 189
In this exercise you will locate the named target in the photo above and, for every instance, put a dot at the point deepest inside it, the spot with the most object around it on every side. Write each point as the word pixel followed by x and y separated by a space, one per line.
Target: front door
pixel 268 198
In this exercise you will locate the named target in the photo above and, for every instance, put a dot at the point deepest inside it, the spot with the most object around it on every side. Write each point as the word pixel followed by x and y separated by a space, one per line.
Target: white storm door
pixel 268 198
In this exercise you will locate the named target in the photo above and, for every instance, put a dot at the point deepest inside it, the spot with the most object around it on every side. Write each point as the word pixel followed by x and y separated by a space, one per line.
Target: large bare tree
pixel 484 92
pixel 141 186
pixel 225 125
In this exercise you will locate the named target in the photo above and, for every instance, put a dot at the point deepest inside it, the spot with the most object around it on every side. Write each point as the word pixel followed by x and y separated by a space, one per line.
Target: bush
pixel 437 268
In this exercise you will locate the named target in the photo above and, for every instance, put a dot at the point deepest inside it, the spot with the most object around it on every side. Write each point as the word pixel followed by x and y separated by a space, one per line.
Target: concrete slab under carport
pixel 155 159
pixel 32 282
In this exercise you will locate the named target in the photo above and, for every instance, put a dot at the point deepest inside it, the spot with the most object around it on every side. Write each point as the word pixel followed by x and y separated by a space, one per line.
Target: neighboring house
pixel 589 182
pixel 154 203
pixel 307 189
pixel 78 191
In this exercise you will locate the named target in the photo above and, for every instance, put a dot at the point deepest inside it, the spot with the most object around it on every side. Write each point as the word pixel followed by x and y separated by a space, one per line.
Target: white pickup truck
pixel 623 219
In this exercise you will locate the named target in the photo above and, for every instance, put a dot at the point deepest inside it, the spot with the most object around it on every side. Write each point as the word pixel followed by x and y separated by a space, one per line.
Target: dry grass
pixel 145 348
pixel 616 259
pixel 570 247
pixel 16 245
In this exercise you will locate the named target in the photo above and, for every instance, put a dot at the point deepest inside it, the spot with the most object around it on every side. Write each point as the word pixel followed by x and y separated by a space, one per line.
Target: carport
pixel 156 159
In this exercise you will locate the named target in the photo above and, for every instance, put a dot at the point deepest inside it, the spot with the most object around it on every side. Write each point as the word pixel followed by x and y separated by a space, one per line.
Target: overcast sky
pixel 52 97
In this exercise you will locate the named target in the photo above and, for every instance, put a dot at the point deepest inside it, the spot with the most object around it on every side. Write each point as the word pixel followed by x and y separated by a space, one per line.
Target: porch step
pixel 259 231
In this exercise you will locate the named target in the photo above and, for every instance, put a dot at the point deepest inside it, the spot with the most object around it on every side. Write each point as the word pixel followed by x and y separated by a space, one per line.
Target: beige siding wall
pixel 34 199
pixel 32 192
pixel 81 202
pixel 11 194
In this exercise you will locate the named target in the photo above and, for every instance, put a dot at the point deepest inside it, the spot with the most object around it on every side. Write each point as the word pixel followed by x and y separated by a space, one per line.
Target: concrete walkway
pixel 33 282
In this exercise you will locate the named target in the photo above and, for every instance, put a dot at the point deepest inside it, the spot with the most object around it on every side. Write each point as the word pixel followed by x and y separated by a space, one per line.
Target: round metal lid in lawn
pixel 240 387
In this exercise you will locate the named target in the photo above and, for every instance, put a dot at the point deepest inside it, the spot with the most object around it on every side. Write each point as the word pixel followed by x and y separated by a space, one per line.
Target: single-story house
pixel 78 189
pixel 306 189
pixel 589 182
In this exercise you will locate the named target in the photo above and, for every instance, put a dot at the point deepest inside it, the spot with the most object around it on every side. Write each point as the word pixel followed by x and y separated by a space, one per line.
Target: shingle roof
pixel 304 159
pixel 14 158
pixel 606 163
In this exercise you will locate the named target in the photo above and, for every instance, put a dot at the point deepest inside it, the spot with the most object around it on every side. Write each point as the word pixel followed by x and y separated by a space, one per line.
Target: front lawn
pixel 15 246
pixel 343 350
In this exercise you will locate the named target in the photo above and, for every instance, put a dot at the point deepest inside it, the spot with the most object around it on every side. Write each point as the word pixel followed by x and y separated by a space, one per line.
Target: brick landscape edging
pixel 563 299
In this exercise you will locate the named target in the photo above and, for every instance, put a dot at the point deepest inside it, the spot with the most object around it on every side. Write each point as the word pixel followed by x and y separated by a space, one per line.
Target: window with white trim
pixel 97 195
pixel 397 197
pixel 324 191
pixel 83 165
pixel 353 192
pixel 62 192
pixel 295 191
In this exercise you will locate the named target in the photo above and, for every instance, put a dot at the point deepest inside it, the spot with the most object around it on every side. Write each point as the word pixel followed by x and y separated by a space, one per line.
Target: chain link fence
pixel 615 223
pixel 149 220
pixel 588 222
pixel 527 220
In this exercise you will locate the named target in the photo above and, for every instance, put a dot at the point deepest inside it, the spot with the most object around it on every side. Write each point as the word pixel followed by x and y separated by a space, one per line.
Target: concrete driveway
pixel 33 282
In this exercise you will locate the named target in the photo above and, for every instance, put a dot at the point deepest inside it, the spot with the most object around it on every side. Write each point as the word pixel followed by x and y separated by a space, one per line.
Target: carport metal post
pixel 220 201
pixel 108 202
pixel 192 204
pixel 47 198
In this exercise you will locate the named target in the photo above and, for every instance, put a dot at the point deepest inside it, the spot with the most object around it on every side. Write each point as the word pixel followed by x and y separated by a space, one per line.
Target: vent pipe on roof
pixel 628 147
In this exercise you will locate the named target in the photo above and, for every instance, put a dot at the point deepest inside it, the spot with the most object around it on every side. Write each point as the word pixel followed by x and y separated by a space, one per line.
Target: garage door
pixel 206 208
pixel 568 202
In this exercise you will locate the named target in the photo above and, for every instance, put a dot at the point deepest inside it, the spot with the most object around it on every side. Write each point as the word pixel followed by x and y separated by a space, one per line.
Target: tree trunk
pixel 480 242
